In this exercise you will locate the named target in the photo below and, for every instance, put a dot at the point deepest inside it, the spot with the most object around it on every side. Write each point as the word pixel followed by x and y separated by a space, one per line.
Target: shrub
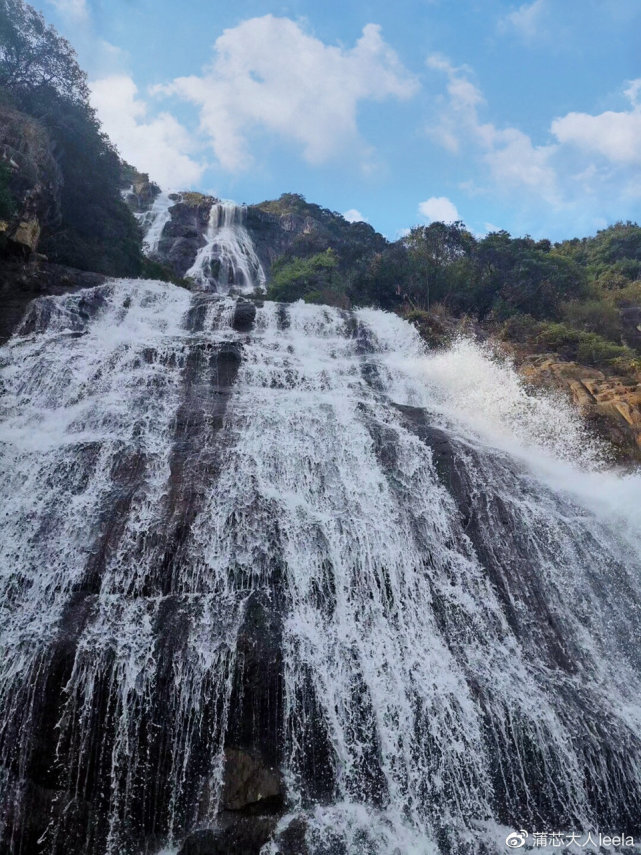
pixel 587 347
pixel 598 316
pixel 300 277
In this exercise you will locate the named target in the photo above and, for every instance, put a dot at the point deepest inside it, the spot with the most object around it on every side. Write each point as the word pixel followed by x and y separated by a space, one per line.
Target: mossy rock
pixel 194 200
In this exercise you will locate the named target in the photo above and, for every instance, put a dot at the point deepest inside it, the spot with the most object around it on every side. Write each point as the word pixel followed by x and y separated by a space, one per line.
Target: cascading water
pixel 292 529
pixel 227 263
pixel 154 220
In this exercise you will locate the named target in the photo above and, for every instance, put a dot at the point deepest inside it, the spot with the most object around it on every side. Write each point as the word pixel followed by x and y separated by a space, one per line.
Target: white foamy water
pixel 456 610
pixel 153 222
pixel 228 260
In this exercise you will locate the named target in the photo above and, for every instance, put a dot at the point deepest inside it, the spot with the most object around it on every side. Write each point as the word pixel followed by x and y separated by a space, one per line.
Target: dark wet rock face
pixel 21 282
pixel 257 689
pixel 245 836
pixel 184 234
pixel 244 316
pixel 248 783
pixel 252 799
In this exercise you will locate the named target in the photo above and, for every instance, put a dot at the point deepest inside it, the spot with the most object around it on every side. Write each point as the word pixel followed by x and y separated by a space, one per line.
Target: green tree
pixel 34 55
pixel 383 279
pixel 299 278
pixel 97 230
pixel 612 255
pixel 519 275
pixel 439 258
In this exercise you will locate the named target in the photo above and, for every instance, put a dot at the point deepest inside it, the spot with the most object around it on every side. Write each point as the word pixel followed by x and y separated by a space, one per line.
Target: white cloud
pixel 159 145
pixel 439 209
pixel 613 135
pixel 268 74
pixel 586 168
pixel 510 155
pixel 633 92
pixel 354 216
pixel 76 9
pixel 515 161
pixel 526 20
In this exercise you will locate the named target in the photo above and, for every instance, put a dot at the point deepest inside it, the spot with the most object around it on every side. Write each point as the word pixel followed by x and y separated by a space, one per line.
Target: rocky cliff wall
pixel 610 403
pixel 35 179
pixel 184 233
pixel 287 226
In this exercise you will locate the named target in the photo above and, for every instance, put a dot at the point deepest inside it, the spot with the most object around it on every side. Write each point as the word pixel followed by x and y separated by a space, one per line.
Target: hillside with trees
pixel 60 173
pixel 577 297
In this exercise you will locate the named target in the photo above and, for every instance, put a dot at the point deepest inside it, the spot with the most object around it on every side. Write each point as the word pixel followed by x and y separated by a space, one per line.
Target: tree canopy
pixel 34 55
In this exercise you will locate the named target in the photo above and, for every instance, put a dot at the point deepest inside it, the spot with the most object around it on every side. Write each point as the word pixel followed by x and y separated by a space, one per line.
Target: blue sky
pixel 523 116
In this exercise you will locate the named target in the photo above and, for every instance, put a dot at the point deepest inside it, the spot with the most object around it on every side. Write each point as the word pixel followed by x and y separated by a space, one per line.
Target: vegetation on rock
pixel 7 203
pixel 570 297
pixel 314 279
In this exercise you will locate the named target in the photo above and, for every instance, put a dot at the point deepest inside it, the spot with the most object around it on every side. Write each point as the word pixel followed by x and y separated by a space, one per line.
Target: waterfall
pixel 154 221
pixel 408 581
pixel 227 262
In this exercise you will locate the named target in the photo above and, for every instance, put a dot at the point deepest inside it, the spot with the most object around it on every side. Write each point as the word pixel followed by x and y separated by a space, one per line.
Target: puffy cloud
pixel 354 216
pixel 159 145
pixel 613 135
pixel 268 74
pixel 515 161
pixel 526 20
pixel 586 169
pixel 464 98
pixel 439 209
pixel 511 156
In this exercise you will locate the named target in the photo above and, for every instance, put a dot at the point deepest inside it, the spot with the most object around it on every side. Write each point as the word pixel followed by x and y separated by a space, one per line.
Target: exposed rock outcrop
pixel 184 233
pixel 251 804
pixel 611 404
pixel 138 191
pixel 35 178
pixel 283 226
pixel 22 282
pixel 287 226
pixel 250 782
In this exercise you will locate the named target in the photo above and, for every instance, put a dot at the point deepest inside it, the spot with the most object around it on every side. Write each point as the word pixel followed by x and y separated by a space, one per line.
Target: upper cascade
pixel 227 263
pixel 153 222
pixel 203 239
